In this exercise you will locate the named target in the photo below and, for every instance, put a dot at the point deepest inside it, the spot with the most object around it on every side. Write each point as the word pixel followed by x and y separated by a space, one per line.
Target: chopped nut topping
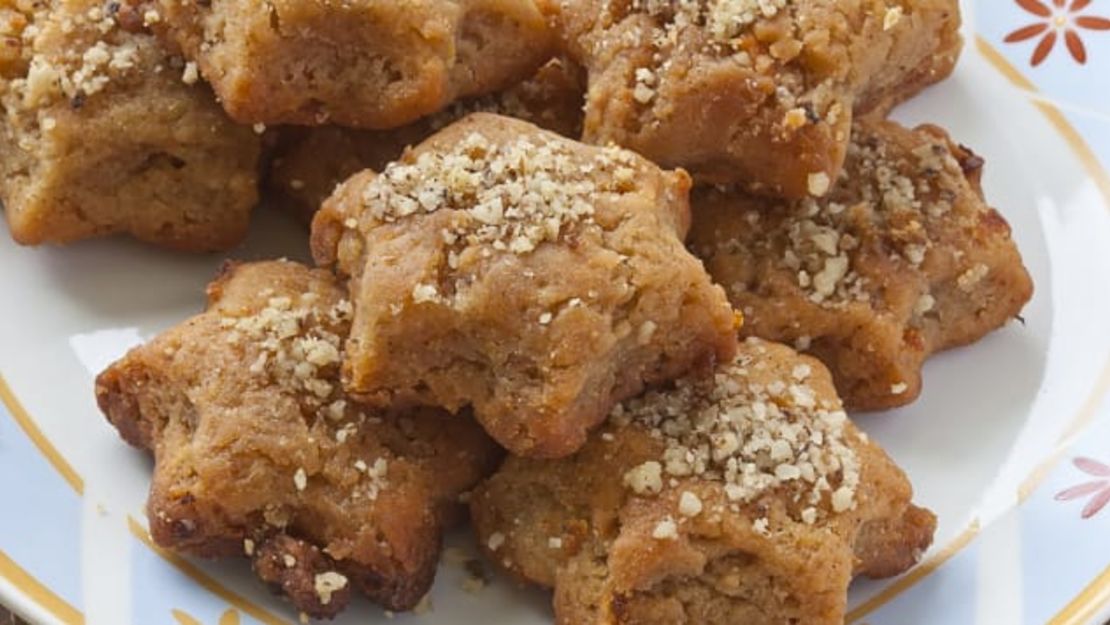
pixel 343 433
pixel 972 277
pixel 298 350
pixel 818 184
pixel 826 281
pixel 724 20
pixel 495 541
pixel 190 76
pixel 924 304
pixel 894 196
pixel 516 196
pixel 795 118
pixel 327 583
pixel 424 293
pixel 643 92
pixel 376 475
pixel 665 530
pixel 645 478
pixel 809 515
pixel 892 17
pixel 761 525
pixel 96 57
pixel 915 253
pixel 689 504
pixel 801 372
pixel 843 499
pixel 752 437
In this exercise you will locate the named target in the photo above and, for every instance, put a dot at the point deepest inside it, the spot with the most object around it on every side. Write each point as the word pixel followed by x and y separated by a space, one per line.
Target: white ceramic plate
pixel 1009 443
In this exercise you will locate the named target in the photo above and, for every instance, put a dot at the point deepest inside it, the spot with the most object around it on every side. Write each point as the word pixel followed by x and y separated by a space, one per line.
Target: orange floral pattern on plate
pixel 1058 19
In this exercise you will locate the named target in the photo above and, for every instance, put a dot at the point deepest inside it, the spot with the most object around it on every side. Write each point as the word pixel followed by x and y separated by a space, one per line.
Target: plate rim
pixel 33 600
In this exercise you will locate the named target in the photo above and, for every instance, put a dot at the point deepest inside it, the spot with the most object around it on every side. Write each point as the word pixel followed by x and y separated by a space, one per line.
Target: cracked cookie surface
pixel 259 453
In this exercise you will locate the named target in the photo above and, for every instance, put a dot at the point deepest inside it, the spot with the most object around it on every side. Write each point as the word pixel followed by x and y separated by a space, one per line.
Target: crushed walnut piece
pixel 300 479
pixel 495 541
pixel 819 184
pixel 190 75
pixel 666 529
pixel 892 17
pixel 645 90
pixel 328 583
pixel 689 504
pixel 645 478
pixel 972 277
pixel 376 474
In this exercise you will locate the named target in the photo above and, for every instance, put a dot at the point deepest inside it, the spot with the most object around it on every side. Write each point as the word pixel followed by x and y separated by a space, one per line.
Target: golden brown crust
pixel 535 278
pixel 100 133
pixel 692 542
pixel 925 53
pixel 258 451
pixel 888 547
pixel 311 162
pixel 369 64
pixel 761 94
pixel 902 259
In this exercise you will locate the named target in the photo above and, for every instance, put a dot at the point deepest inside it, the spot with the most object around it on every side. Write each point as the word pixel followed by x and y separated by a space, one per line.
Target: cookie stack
pixel 602 277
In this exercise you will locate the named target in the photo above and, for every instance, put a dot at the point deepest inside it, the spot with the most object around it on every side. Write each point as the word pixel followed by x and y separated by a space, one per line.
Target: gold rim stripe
pixel 1086 605
pixel 915 575
pixel 36 591
pixel 205 580
pixel 39 439
pixel 1086 414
